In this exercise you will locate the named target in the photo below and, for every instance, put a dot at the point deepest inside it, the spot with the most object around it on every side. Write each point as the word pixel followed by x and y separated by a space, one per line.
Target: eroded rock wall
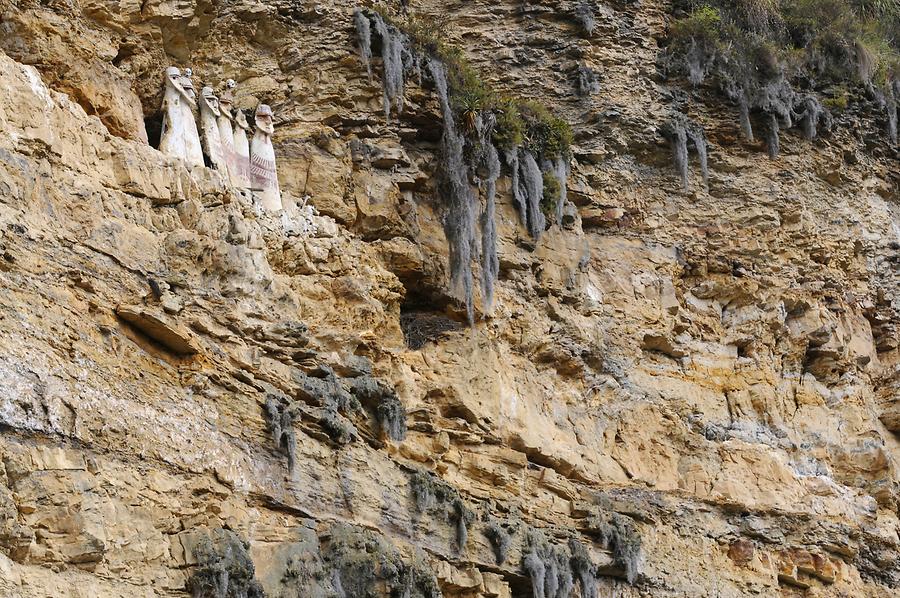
pixel 712 374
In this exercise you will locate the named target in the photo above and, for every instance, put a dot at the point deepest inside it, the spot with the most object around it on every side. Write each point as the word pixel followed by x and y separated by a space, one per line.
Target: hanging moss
pixel 433 496
pixel 349 561
pixel 392 418
pixel 338 428
pixel 584 14
pixel 680 130
pixel 461 205
pixel 517 121
pixel 528 190
pixel 224 568
pixel 365 562
pixel 621 537
pixel 364 34
pixel 548 567
pixel 587 81
pixel 583 568
pixel 382 400
pixel 280 422
pixel 775 58
pixel 500 540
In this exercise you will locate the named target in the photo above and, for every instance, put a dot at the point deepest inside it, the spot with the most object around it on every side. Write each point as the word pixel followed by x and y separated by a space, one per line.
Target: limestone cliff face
pixel 675 394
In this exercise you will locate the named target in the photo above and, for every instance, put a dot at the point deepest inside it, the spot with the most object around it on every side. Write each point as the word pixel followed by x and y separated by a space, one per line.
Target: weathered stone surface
pixel 158 328
pixel 716 369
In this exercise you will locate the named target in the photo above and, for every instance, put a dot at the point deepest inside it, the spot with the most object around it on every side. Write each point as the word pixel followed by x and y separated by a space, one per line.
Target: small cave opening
pixel 825 365
pixel 126 51
pixel 428 317
pixel 153 125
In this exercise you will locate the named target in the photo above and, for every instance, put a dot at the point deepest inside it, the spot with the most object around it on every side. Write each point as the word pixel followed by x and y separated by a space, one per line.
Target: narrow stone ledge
pixel 157 327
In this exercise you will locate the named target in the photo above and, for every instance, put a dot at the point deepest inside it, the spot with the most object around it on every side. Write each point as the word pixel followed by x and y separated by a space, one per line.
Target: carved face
pixel 265 120
pixel 187 84
pixel 241 119
pixel 225 103
pixel 230 84
pixel 210 99
pixel 173 77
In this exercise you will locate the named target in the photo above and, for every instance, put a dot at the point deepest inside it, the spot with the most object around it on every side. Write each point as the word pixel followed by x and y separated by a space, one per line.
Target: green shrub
pixel 882 59
pixel 509 130
pixel 703 24
pixel 758 14
pixel 552 191
pixel 839 99
pixel 545 134
pixel 836 35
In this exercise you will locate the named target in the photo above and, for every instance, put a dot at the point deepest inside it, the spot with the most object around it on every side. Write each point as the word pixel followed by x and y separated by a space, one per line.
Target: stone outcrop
pixel 676 393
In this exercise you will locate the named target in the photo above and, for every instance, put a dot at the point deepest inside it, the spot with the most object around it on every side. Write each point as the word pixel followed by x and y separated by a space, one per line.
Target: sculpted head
pixel 226 100
pixel 187 84
pixel 241 120
pixel 173 77
pixel 265 120
pixel 230 84
pixel 210 100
